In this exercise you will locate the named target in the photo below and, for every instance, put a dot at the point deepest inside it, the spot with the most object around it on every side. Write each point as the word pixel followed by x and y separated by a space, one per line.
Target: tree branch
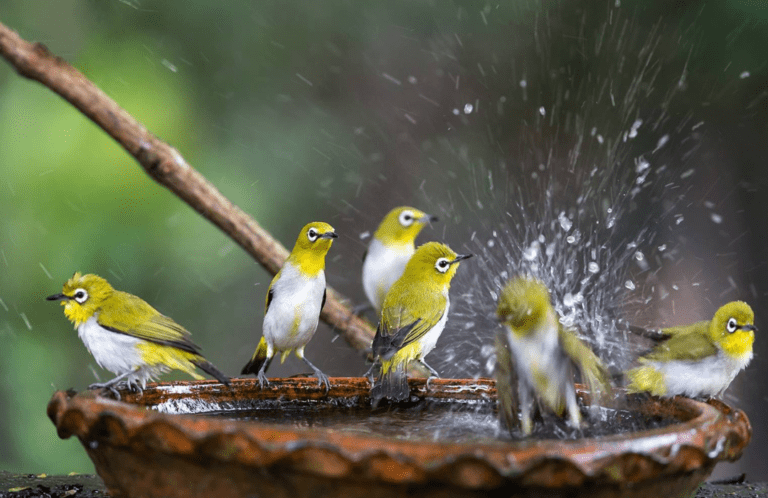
pixel 164 163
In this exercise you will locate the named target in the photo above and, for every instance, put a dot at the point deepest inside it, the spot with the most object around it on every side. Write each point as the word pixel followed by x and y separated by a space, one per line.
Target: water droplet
pixel 412 80
pixel 365 235
pixel 523 83
pixel 468 108
pixel 629 285
pixel 456 112
pixel 565 223
pixel 744 75
pixel 716 218
pixel 593 267
pixel 662 247
pixel 542 111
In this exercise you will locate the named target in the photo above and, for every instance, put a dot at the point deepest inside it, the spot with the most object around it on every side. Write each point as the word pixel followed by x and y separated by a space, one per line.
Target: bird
pixel 536 356
pixel 413 316
pixel 294 300
pixel 391 246
pixel 127 336
pixel 699 360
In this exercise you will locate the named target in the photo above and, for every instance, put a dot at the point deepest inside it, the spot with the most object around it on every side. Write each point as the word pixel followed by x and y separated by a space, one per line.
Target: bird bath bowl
pixel 163 444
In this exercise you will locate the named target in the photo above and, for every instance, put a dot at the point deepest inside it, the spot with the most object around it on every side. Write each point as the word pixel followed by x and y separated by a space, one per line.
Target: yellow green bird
pixel 699 360
pixel 536 356
pixel 413 317
pixel 390 249
pixel 293 303
pixel 127 336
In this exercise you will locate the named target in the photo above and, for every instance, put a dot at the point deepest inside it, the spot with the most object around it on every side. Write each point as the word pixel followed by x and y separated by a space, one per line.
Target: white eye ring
pixel 312 234
pixel 731 326
pixel 442 265
pixel 406 218
pixel 81 295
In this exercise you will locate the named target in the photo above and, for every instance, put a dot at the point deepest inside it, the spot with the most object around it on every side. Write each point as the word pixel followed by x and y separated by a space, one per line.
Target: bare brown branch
pixel 164 163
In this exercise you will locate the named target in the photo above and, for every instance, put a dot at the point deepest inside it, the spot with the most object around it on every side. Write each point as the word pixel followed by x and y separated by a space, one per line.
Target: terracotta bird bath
pixel 153 446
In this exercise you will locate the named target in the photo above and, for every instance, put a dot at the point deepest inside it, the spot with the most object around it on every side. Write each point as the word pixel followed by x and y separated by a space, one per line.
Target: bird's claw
pixel 323 379
pixel 429 379
pixel 106 386
pixel 263 381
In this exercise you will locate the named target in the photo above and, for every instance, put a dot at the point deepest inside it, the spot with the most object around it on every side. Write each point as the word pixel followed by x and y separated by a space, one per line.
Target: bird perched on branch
pixel 127 336
pixel 293 303
pixel 413 317
pixel 390 249
pixel 535 358
pixel 698 360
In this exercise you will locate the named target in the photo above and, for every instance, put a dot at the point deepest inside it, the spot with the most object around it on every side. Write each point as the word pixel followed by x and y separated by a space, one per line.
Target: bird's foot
pixel 263 381
pixel 109 386
pixel 429 379
pixel 323 379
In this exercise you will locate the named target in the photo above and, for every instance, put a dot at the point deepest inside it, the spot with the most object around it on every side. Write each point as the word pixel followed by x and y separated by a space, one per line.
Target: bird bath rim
pixel 683 453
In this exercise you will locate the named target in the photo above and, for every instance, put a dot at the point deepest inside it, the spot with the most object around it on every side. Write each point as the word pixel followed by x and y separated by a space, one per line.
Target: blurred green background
pixel 339 111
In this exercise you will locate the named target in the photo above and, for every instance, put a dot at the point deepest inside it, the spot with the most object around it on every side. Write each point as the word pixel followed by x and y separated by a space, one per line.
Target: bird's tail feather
pixel 391 384
pixel 258 359
pixel 208 367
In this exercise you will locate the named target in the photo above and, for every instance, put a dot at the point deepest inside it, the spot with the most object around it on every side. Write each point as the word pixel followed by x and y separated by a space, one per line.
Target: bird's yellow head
pixel 433 262
pixel 82 296
pixel 733 328
pixel 313 243
pixel 523 305
pixel 401 226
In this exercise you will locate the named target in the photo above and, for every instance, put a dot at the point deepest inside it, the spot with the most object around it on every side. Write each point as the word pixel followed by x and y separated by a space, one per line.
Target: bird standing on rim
pixel 127 336
pixel 697 360
pixel 390 249
pixel 413 317
pixel 293 303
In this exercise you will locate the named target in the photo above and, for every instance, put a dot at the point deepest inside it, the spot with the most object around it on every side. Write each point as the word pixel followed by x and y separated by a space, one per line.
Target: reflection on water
pixel 440 421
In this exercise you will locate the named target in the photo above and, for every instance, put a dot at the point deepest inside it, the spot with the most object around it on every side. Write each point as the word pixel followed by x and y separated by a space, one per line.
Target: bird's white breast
pixel 535 352
pixel 429 341
pixel 112 351
pixel 382 267
pixel 710 376
pixel 296 303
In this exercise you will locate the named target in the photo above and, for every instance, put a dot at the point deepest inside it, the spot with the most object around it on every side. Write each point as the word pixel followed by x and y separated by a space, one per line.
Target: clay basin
pixel 144 447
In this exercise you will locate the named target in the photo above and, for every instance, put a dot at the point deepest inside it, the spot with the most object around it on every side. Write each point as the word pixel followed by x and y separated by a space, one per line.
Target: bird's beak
pixel 749 327
pixel 428 218
pixel 329 235
pixel 57 297
pixel 460 257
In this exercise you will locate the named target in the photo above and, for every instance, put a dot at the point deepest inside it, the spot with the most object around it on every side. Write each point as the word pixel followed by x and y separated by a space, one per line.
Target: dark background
pixel 501 118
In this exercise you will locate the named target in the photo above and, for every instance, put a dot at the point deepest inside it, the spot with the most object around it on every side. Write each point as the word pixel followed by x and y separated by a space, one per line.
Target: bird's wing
pixel 402 325
pixel 506 383
pixel 325 295
pixel 132 316
pixel 271 292
pixel 593 372
pixel 684 346
pixel 660 335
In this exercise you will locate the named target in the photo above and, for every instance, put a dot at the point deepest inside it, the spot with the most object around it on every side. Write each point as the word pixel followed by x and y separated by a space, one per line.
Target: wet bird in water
pixel 536 356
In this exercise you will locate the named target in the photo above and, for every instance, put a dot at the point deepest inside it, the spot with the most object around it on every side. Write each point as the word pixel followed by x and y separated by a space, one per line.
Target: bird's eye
pixel 442 265
pixel 731 326
pixel 312 234
pixel 81 296
pixel 406 218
